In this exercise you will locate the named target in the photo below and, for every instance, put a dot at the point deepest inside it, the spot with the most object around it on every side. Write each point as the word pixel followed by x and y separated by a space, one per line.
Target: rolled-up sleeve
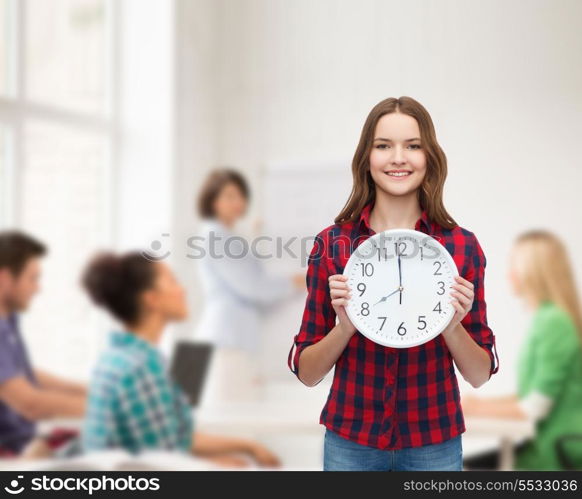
pixel 475 322
pixel 319 316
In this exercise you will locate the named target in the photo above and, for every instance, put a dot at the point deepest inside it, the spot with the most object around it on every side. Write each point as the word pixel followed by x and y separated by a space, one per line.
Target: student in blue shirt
pixel 27 394
pixel 133 403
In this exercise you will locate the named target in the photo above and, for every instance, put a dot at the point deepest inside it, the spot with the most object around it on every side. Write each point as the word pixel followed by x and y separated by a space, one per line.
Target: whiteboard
pixel 299 199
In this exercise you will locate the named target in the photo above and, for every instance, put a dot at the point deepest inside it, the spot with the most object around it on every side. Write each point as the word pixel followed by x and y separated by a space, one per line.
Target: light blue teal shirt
pixel 133 403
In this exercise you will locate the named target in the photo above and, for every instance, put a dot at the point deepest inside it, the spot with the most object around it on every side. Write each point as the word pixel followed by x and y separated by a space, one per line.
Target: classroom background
pixel 113 112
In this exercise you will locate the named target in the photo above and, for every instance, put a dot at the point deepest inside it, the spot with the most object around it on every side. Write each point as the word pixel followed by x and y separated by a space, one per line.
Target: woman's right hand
pixel 340 294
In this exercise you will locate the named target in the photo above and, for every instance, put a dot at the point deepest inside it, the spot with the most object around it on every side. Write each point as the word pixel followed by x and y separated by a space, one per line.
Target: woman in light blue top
pixel 237 288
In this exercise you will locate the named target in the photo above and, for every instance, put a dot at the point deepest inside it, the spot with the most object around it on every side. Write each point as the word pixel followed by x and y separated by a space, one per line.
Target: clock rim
pixel 448 256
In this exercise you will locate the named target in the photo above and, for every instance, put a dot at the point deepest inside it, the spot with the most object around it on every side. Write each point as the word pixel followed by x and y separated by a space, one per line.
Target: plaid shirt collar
pixel 364 220
pixel 126 339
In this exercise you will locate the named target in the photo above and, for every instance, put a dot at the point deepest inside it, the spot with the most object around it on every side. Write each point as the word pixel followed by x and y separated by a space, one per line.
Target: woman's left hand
pixel 462 297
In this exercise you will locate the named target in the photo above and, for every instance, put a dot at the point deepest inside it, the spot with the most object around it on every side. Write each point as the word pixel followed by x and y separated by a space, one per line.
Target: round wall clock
pixel 400 284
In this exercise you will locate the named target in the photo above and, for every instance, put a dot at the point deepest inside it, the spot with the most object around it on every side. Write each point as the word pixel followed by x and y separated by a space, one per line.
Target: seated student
pixel 133 403
pixel 27 395
pixel 549 374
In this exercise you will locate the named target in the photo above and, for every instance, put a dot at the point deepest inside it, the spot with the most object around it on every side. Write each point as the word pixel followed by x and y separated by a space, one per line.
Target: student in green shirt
pixel 549 384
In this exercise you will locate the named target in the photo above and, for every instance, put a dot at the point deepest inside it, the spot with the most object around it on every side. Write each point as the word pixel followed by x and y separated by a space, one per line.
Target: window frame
pixel 16 110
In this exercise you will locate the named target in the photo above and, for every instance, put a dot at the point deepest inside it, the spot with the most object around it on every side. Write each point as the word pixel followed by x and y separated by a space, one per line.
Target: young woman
pixel 549 383
pixel 237 290
pixel 388 408
pixel 133 403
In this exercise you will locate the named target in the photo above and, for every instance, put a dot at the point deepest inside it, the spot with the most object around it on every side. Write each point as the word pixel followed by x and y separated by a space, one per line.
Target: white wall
pixel 270 80
pixel 146 119
pixel 196 126
pixel 120 178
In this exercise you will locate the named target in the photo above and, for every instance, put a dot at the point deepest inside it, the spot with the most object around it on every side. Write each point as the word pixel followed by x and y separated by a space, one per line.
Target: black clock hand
pixel 384 298
pixel 400 276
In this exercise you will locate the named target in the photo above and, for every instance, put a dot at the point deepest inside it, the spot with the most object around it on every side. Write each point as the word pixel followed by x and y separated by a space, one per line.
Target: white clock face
pixel 400 284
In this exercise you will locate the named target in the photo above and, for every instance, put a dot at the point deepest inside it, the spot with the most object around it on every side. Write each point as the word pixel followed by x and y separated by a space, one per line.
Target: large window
pixel 57 141
pixel 65 53
pixel 5 31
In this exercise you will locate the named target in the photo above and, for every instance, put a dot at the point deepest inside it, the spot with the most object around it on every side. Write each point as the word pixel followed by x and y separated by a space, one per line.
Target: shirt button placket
pixel 389 398
pixel 389 404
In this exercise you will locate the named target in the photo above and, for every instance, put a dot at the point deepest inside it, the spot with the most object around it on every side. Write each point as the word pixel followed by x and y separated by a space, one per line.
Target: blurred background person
pixel 550 360
pixel 133 403
pixel 27 395
pixel 237 289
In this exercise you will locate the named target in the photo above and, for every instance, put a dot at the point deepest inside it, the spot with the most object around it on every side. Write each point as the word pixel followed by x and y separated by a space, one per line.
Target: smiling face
pixel 397 159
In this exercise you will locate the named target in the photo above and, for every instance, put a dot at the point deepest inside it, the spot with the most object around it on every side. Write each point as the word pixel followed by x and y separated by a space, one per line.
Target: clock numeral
pixel 437 308
pixel 401 329
pixel 437 271
pixel 432 251
pixel 383 319
pixel 397 248
pixel 365 308
pixel 361 288
pixel 421 320
pixel 367 269
pixel 380 254
pixel 441 290
pixel 421 254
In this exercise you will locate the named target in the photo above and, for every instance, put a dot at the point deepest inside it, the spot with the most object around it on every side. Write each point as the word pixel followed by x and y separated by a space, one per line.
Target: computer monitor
pixel 189 368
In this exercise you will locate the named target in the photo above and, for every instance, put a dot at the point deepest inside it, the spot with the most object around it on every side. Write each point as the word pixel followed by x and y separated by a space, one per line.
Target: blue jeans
pixel 340 454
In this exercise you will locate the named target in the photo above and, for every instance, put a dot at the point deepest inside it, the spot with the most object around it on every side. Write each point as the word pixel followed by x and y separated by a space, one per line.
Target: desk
pixel 258 417
pixel 291 408
pixel 261 419
pixel 508 432
pixel 118 460
pixel 276 418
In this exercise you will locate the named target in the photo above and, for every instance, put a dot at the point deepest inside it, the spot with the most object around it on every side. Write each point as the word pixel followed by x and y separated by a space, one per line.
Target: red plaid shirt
pixel 383 397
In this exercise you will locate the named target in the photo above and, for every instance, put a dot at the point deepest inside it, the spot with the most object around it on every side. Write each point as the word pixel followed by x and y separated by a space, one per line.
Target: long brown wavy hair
pixel 430 193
